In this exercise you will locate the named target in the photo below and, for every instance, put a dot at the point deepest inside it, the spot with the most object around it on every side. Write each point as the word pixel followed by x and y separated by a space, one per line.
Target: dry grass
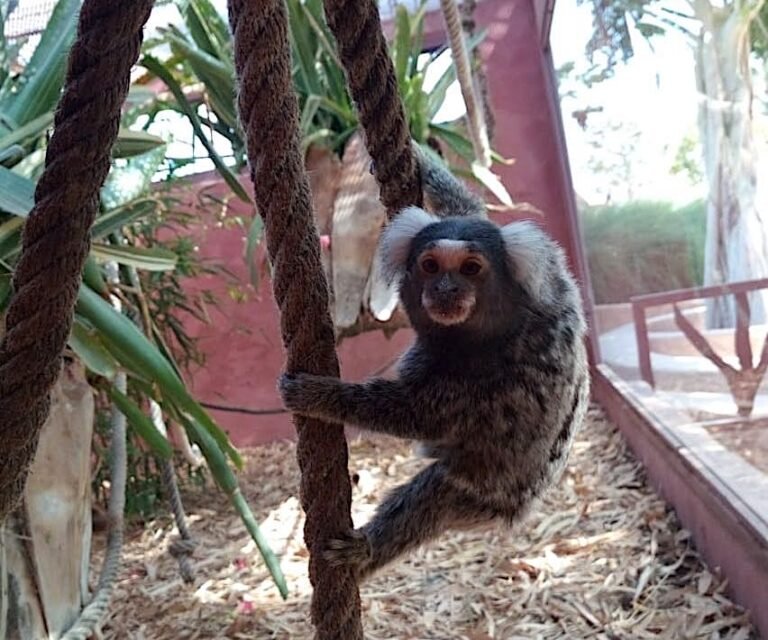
pixel 602 557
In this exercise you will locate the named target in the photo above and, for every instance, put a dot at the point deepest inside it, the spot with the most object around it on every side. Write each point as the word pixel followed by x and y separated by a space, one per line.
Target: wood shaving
pixel 601 557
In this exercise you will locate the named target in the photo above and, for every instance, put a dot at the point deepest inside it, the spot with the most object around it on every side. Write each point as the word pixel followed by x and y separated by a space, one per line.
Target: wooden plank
pixel 743 344
pixel 678 295
pixel 643 344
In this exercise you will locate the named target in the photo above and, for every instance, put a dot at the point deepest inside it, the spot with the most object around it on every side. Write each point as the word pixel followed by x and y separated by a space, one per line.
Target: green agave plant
pixel 104 339
pixel 200 70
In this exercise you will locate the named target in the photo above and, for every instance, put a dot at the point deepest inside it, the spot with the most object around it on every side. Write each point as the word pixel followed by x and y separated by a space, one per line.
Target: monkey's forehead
pixel 472 234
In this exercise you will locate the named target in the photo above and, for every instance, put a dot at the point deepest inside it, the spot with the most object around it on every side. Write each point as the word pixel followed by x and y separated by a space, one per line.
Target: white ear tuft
pixel 395 241
pixel 529 251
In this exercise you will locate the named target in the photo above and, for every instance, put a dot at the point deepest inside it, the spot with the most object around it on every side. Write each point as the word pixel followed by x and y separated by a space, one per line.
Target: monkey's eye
pixel 430 265
pixel 470 268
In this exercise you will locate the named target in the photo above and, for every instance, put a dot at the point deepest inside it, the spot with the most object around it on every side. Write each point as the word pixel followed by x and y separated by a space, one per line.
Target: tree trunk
pixel 737 231
pixel 45 547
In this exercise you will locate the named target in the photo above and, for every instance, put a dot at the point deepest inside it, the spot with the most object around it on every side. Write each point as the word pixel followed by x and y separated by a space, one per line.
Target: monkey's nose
pixel 446 286
pixel 446 289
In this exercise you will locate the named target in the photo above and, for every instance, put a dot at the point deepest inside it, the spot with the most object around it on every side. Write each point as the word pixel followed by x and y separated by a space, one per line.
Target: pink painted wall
pixel 243 341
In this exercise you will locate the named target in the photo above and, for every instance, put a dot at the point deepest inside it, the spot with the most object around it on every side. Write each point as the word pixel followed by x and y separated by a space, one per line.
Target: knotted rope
pixel 372 82
pixel 184 546
pixel 269 114
pixel 56 237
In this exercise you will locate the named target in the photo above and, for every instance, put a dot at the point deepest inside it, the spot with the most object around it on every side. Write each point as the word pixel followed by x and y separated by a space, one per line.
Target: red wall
pixel 243 342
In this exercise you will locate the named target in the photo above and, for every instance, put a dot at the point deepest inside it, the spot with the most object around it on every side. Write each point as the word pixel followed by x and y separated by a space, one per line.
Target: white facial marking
pixel 395 241
pixel 452 317
pixel 526 245
pixel 451 246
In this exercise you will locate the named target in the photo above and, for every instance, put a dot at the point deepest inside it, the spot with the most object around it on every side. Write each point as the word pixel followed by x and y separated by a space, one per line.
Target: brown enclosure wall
pixel 243 342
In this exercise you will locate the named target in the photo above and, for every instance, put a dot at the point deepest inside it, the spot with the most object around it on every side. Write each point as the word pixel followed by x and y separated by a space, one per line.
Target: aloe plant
pixel 106 341
pixel 201 60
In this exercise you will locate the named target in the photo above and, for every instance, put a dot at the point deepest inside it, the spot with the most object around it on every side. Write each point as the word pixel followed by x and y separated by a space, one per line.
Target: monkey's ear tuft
pixel 395 242
pixel 530 251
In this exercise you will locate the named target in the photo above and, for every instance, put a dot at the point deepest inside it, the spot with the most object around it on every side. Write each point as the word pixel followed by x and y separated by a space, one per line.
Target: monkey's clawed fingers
pixel 352 548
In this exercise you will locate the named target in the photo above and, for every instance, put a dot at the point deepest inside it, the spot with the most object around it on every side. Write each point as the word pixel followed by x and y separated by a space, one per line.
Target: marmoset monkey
pixel 494 387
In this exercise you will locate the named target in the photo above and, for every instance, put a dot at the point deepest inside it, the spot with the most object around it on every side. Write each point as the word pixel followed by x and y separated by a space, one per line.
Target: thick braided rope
pixel 56 235
pixel 475 116
pixel 371 77
pixel 269 113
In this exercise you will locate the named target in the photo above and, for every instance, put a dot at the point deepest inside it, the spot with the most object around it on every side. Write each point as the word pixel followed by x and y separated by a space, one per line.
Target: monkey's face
pixel 466 273
pixel 450 272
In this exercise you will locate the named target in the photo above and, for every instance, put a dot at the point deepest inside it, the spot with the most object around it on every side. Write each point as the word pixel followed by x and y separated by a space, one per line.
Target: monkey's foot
pixel 352 548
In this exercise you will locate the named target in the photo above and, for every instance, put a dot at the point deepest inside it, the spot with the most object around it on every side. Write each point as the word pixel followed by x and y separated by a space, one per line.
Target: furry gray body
pixel 495 400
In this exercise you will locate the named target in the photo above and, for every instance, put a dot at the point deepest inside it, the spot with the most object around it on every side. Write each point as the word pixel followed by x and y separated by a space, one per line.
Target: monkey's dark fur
pixel 495 385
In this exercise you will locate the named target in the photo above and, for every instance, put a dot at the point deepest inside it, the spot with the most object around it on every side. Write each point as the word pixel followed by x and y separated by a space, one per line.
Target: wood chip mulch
pixel 602 557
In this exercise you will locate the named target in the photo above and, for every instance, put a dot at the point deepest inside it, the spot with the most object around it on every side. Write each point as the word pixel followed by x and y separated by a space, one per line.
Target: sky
pixel 655 93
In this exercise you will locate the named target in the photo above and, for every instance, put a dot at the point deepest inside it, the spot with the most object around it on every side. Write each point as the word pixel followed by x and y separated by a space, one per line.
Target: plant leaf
pixel 461 144
pixel 228 483
pixel 207 27
pixel 254 237
pixel 141 357
pixel 11 156
pixel 401 45
pixel 17 193
pixel 491 181
pixel 149 259
pixel 86 344
pixel 31 130
pixel 5 289
pixel 93 277
pixel 156 67
pixel 131 178
pixel 218 76
pixel 134 143
pixel 38 88
pixel 119 217
pixel 10 237
pixel 141 423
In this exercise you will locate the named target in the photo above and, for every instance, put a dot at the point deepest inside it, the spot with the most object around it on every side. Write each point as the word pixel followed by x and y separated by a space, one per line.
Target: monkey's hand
pixel 308 394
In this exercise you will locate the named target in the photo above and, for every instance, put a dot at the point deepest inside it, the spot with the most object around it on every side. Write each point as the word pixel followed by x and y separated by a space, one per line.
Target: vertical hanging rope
pixel 269 114
pixel 93 613
pixel 56 236
pixel 371 77
pixel 475 116
pixel 183 546
pixel 469 25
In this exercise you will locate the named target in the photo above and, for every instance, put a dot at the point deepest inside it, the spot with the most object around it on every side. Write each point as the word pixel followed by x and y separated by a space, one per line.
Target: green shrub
pixel 643 247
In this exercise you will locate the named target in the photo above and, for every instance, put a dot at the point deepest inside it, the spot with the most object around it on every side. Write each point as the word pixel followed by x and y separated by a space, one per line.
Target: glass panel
pixel 665 163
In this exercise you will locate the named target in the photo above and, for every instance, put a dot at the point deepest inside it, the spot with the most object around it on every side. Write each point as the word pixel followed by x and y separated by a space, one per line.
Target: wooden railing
pixel 742 342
